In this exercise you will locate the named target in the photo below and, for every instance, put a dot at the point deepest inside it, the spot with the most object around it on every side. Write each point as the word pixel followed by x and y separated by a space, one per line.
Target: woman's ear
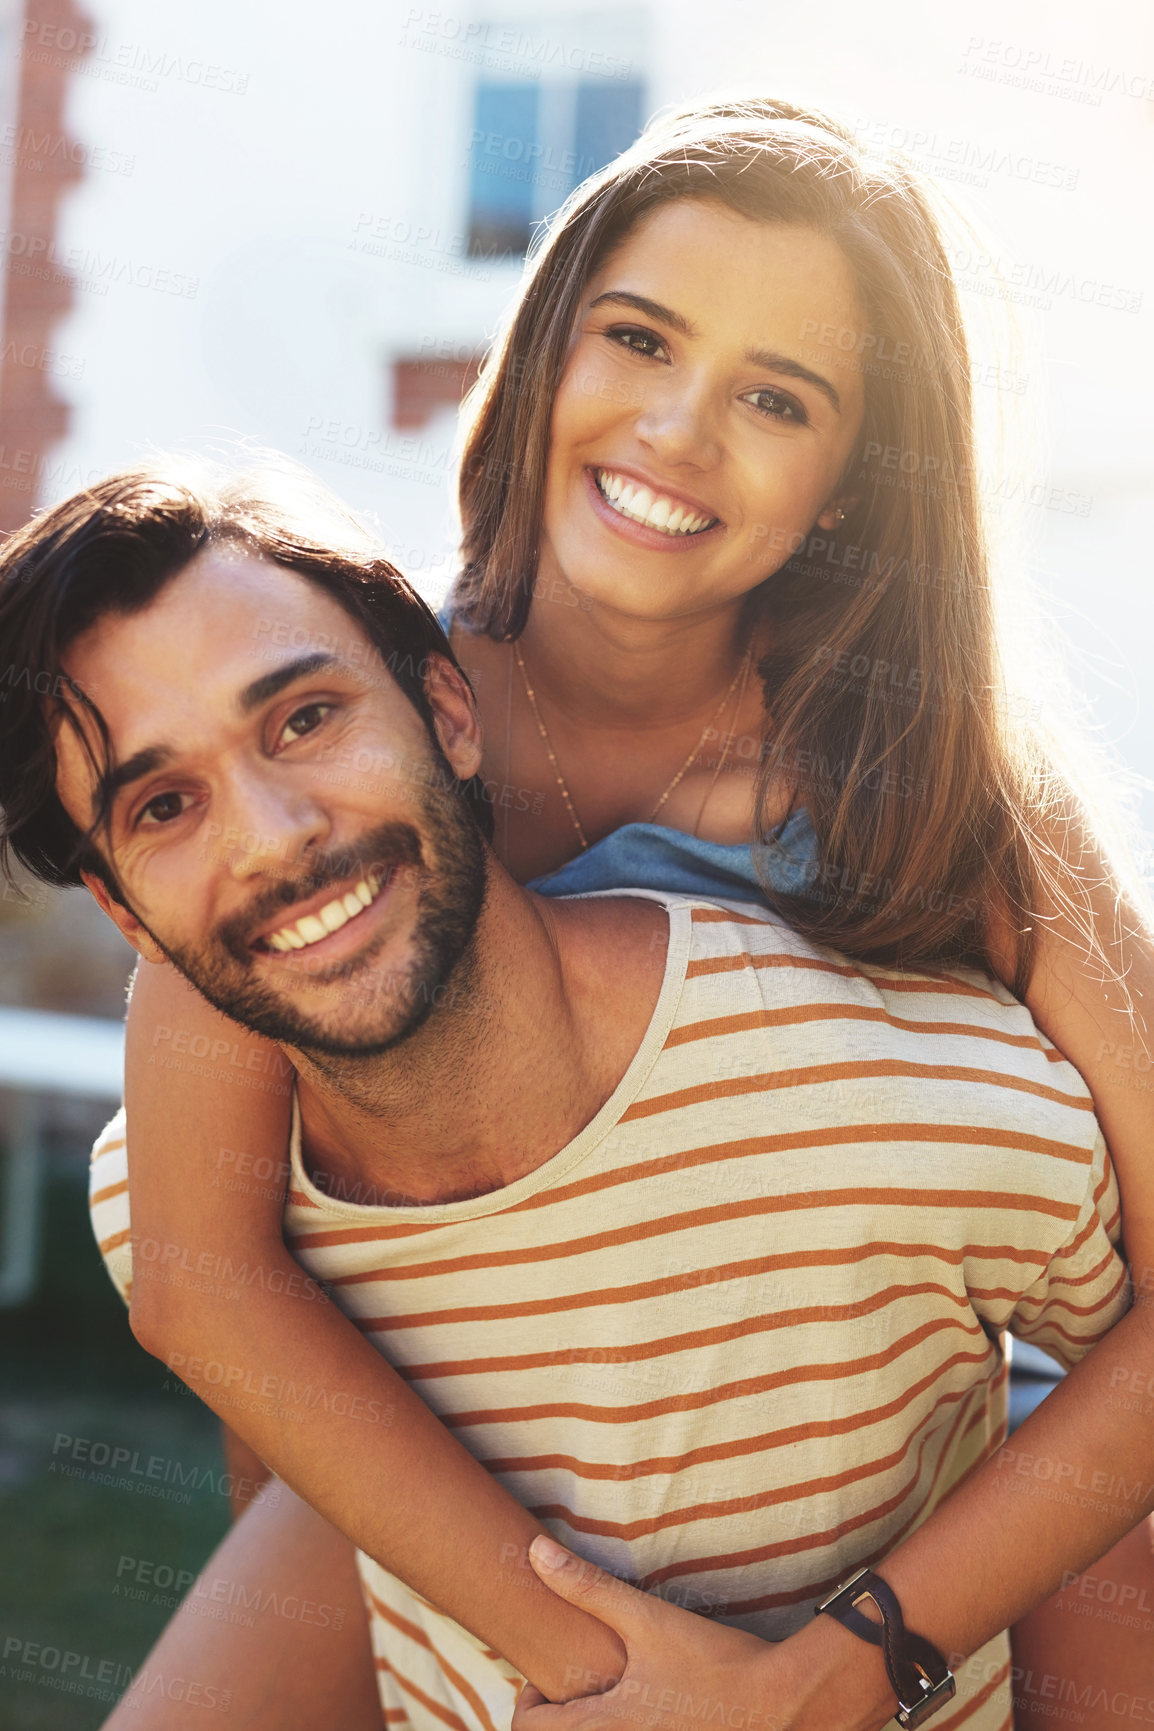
pixel 835 513
pixel 454 715
pixel 123 918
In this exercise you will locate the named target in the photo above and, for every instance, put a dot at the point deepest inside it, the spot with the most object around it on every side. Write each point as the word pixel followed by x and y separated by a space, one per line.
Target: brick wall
pixel 37 289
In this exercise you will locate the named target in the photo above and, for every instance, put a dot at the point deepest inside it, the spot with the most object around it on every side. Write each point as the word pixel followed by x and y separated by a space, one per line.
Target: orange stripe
pixel 815 1541
pixel 693 1401
pixel 415 1633
pixel 834 1136
pixel 831 1136
pixel 786 1547
pixel 799 1015
pixel 445 1714
pixel 98 1196
pixel 704 916
pixel 718 1335
pixel 104 1245
pixel 300 1199
pixel 817 1074
pixel 664 1465
pixel 753 1266
pixel 922 984
pixel 756 1266
pixel 775 1600
pixel 879 1196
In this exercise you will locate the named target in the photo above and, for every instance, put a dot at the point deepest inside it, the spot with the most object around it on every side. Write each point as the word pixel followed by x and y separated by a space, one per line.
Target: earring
pixel 838 517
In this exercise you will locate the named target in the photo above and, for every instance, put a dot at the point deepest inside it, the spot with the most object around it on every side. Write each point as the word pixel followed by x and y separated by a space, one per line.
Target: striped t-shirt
pixel 743 1332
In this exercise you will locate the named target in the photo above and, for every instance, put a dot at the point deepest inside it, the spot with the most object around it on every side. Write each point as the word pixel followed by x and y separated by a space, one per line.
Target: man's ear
pixel 454 715
pixel 123 918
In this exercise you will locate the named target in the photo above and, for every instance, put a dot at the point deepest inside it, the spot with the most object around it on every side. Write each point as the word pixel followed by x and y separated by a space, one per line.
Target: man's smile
pixel 342 922
pixel 312 927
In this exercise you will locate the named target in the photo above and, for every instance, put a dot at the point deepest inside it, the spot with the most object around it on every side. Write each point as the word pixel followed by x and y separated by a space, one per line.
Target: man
pixel 717 1295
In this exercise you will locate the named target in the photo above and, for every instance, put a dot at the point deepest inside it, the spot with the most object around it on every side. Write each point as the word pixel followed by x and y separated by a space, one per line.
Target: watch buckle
pixel 934 1695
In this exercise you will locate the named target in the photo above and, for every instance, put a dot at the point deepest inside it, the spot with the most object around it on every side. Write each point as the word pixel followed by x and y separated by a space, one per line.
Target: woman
pixel 719 581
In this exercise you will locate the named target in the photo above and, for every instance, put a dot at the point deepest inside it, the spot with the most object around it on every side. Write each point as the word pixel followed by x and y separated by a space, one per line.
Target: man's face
pixel 283 827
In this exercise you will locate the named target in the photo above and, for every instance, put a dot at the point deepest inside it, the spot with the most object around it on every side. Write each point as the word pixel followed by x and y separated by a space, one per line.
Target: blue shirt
pixel 647 856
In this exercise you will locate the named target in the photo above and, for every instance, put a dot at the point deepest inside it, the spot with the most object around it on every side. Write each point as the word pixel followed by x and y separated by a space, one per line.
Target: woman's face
pixel 695 441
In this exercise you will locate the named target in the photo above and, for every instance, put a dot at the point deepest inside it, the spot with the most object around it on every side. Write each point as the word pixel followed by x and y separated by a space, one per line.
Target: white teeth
pixel 313 927
pixel 653 509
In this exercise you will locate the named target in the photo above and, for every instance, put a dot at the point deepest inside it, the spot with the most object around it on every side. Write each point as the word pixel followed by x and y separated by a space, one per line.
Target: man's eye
pixel 305 720
pixel 161 808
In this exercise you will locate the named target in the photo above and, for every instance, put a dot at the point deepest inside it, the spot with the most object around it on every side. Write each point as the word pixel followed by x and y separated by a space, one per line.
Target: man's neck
pixel 532 1036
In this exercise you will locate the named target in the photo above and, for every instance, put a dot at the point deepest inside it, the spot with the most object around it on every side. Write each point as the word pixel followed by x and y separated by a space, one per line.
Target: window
pixel 532 143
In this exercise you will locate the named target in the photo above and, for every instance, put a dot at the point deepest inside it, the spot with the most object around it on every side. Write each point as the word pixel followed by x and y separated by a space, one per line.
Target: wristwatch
pixel 919 1676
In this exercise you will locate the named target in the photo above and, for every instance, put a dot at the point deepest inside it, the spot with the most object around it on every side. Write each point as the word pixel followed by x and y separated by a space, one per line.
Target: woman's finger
pixel 624 1608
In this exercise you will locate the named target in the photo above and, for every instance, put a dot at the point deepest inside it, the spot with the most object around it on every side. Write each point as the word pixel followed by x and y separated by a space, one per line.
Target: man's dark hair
pixel 111 549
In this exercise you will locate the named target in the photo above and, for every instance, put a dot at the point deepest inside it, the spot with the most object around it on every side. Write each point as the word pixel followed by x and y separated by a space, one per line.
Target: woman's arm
pixel 208 1167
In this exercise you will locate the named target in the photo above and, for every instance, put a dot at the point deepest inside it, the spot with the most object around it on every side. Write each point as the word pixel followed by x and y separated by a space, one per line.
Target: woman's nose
pixel 677 423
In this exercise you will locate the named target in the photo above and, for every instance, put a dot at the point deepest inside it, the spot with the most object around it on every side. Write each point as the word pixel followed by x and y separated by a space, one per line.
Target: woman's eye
pixel 161 808
pixel 777 407
pixel 639 342
pixel 305 720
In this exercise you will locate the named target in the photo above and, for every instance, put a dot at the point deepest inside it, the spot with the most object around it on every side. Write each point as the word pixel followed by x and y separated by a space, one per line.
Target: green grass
pixel 69 1368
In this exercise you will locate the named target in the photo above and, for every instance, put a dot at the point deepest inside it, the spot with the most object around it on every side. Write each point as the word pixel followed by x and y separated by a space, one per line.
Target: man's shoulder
pixel 747 967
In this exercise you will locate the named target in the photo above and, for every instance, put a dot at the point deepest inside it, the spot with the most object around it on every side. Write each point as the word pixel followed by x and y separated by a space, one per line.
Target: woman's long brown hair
pixel 889 721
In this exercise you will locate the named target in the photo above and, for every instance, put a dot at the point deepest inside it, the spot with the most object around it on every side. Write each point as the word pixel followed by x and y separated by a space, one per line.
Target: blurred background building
pixel 298 228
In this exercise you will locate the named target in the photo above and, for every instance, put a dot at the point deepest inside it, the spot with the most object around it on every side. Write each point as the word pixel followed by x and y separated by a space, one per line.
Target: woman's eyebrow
pixel 767 358
pixel 777 363
pixel 651 309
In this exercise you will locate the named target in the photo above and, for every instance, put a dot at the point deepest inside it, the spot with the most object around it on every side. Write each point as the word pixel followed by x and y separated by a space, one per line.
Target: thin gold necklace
pixel 685 767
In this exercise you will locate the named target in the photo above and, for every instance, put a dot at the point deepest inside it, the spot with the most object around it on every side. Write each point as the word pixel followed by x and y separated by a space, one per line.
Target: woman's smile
pixel 646 515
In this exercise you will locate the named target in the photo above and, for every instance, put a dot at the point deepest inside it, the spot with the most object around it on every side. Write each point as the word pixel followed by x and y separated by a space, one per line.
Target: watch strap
pixel 918 1674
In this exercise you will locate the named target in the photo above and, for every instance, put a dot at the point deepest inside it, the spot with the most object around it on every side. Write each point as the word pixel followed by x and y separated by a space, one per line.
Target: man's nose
pixel 266 825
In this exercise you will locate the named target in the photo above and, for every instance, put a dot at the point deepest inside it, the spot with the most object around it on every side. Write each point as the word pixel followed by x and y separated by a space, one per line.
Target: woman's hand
pixel 684 1672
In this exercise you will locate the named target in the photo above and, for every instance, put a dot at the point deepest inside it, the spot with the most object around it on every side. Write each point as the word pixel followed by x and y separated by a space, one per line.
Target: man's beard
pixel 451 894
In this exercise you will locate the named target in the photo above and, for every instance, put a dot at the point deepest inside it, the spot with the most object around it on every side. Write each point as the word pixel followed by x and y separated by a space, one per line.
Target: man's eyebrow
pixel 270 684
pixel 767 358
pixel 140 764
